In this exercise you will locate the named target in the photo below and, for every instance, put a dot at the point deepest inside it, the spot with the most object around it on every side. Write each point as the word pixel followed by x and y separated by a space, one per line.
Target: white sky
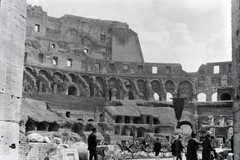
pixel 189 32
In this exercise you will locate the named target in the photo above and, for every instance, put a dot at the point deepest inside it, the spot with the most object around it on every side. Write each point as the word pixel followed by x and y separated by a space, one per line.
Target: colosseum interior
pixel 80 73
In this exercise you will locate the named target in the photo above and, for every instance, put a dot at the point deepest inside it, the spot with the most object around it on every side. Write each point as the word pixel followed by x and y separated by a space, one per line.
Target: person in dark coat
pixel 92 145
pixel 231 141
pixel 207 147
pixel 157 147
pixel 192 147
pixel 179 147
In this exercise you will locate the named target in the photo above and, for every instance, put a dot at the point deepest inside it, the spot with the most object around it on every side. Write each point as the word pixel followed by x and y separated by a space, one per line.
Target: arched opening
pixel 225 96
pixel 214 97
pixel 118 119
pixel 90 120
pixel 156 96
pixel 186 127
pixel 169 96
pixel 148 120
pixel 30 125
pixel 76 128
pixel 73 77
pixel 72 91
pixel 53 127
pixel 89 127
pixel 201 97
pixel 155 121
pixel 127 120
pixel 42 126
pixel 141 132
pixel 130 95
pixel 157 130
pixel 136 120
pixel 127 131
pixel 80 119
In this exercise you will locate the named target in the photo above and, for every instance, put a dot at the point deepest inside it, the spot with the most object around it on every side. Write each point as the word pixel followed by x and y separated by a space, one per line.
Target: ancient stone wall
pixel 12 39
pixel 236 73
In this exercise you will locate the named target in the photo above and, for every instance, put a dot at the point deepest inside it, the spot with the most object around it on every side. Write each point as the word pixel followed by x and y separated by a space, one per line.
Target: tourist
pixel 157 148
pixel 92 145
pixel 207 147
pixel 231 141
pixel 192 147
pixel 179 147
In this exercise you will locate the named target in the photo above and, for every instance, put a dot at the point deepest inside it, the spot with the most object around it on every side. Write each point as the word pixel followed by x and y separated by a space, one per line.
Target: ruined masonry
pixel 12 39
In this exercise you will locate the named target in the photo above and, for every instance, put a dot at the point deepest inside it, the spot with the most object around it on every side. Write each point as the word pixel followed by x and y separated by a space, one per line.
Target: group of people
pixel 208 151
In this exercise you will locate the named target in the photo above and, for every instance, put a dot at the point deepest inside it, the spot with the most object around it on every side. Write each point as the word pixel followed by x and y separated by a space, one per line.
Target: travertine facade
pixel 12 31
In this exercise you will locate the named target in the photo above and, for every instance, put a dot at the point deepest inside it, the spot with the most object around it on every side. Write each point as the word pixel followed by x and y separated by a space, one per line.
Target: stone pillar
pixel 12 40
pixel 236 129
pixel 55 86
pixel 40 86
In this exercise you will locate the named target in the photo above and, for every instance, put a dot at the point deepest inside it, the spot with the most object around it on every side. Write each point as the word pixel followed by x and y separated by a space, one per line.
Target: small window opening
pixel 111 66
pixel 140 69
pixel 237 32
pixel 25 57
pixel 53 46
pixel 85 50
pixel 40 58
pixel 69 62
pixel 154 70
pixel 125 67
pixel 168 70
pixel 37 28
pixel 55 60
pixel 68 114
pixel 103 38
pixel 216 69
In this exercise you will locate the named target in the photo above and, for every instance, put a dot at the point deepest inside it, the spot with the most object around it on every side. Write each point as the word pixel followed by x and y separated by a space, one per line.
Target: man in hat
pixel 179 147
pixel 92 145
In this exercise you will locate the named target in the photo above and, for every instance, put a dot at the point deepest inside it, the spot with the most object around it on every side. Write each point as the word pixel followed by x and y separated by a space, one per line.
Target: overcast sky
pixel 189 32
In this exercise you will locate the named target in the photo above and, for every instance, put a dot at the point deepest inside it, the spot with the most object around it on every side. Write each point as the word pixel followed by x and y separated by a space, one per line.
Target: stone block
pixel 9 140
pixel 9 107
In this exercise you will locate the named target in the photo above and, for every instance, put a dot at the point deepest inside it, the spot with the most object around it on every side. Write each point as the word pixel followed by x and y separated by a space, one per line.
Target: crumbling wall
pixel 12 29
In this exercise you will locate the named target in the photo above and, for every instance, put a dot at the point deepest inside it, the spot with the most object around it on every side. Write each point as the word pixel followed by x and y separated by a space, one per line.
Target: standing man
pixel 92 145
pixel 192 147
pixel 157 147
pixel 179 147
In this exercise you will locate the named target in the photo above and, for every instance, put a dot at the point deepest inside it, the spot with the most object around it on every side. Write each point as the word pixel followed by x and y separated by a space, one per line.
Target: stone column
pixel 40 86
pixel 12 40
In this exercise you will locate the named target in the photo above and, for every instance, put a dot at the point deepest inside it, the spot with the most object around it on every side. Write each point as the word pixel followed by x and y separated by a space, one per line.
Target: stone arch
pixel 89 127
pixel 201 97
pixel 91 85
pixel 73 90
pixel 30 125
pixel 53 127
pixel 169 96
pixel 90 120
pixel 73 77
pixel 44 72
pixel 42 126
pixel 186 123
pixel 156 87
pixel 214 97
pixel 128 131
pixel 225 96
pixel 142 88
pixel 185 89
pixel 136 120
pixel 58 74
pixel 77 128
pixel 169 86
pixel 156 120
pixel 101 88
pixel 128 83
pixel 118 119
pixel 127 120
pixel 43 83
pixel 80 119
pixel 141 132
pixel 31 71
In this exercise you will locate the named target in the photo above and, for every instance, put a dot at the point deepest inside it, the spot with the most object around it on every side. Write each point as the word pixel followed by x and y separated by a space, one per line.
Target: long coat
pixel 192 148
pixel 92 141
pixel 207 148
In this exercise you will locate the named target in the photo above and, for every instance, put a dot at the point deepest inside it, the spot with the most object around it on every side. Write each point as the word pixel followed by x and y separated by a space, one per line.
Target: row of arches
pixel 137 120
pixel 110 87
